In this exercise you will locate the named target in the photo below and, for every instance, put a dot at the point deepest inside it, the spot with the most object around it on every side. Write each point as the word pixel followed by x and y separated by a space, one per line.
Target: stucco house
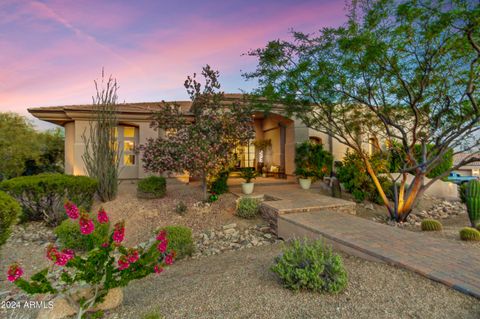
pixel 472 169
pixel 134 129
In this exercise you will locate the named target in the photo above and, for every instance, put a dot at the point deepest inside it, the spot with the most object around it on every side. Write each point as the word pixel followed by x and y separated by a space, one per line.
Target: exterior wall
pixel 145 132
pixel 69 147
pixel 75 148
pixel 81 127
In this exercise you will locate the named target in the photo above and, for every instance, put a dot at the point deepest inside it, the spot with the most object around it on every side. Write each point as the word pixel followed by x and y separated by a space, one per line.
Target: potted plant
pixel 312 163
pixel 305 177
pixel 248 174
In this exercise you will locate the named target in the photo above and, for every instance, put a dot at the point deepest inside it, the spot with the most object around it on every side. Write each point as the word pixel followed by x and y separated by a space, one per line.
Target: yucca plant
pixel 472 200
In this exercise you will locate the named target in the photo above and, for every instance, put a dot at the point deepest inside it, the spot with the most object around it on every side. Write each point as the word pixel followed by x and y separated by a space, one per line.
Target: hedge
pixel 9 212
pixel 42 196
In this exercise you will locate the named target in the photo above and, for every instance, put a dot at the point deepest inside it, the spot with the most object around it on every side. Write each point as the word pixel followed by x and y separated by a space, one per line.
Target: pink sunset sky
pixel 52 50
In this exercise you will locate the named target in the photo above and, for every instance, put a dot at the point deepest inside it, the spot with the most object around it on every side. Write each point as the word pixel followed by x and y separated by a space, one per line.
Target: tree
pixel 101 155
pixel 398 73
pixel 18 143
pixel 51 144
pixel 201 141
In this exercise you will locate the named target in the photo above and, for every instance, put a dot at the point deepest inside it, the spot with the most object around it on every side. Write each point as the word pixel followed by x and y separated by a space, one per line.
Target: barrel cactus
pixel 431 225
pixel 472 200
pixel 469 233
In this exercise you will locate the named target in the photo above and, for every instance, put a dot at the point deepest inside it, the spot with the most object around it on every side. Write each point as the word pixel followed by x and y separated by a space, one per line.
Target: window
pixel 127 140
pixel 315 140
pixel 128 160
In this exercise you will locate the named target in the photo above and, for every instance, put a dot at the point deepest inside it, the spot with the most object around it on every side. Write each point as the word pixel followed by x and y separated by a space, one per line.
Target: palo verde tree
pixel 101 157
pixel 201 140
pixel 399 74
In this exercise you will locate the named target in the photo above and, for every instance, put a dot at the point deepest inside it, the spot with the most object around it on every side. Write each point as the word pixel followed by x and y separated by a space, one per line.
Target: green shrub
pixel 312 266
pixel 180 240
pixel 152 315
pixel 9 212
pixel 312 161
pixel 431 225
pixel 354 177
pixel 462 191
pixel 181 208
pixel 248 207
pixel 469 233
pixel 42 196
pixel 69 235
pixel 152 187
pixel 219 184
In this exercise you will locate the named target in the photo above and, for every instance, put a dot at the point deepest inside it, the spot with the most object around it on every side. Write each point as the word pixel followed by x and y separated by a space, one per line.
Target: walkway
pixel 281 197
pixel 450 263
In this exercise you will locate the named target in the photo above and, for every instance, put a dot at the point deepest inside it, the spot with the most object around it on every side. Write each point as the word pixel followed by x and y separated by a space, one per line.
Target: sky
pixel 51 51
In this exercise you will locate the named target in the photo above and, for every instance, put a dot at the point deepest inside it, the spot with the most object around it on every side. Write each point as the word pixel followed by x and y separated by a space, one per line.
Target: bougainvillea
pixel 205 145
pixel 107 266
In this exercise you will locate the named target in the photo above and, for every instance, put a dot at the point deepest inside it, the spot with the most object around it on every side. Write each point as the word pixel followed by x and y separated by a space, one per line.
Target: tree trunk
pixel 204 186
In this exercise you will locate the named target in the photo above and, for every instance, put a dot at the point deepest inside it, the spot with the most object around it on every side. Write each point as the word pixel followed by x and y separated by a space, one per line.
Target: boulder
pixel 62 308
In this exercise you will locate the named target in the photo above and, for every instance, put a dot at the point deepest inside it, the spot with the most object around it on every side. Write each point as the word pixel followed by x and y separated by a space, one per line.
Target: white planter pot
pixel 247 188
pixel 305 183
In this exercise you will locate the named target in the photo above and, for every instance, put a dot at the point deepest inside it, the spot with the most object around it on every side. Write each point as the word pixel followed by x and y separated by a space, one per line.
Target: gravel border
pixel 239 284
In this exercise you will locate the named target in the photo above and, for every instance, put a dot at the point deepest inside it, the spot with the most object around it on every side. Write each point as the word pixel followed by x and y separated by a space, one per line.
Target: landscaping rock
pixel 61 309
pixel 229 237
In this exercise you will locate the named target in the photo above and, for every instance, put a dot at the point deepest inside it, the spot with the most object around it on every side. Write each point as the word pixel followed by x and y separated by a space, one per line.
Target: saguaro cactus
pixel 472 199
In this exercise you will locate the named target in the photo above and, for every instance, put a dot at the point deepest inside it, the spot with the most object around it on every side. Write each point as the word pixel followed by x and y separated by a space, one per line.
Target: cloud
pixel 54 49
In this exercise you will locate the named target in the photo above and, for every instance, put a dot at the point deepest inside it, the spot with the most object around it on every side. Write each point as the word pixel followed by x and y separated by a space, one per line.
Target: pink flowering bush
pixel 205 145
pixel 106 266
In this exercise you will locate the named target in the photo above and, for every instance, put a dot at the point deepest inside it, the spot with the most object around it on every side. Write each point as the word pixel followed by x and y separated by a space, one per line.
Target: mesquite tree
pixel 101 157
pixel 202 140
pixel 398 76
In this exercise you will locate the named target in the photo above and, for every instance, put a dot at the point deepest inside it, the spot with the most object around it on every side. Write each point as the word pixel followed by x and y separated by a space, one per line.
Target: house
pixel 134 129
pixel 471 169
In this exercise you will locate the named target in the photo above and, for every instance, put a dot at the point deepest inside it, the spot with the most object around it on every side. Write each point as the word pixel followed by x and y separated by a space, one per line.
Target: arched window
pixel 315 140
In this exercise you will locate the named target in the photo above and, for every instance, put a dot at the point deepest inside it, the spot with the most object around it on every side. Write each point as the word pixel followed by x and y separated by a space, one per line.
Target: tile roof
pixel 457 158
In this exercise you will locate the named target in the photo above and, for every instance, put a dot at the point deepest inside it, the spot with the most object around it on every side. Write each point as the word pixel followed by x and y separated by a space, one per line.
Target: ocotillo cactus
pixel 472 197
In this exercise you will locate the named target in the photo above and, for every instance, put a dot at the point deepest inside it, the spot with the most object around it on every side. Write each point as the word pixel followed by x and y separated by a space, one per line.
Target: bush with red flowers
pixel 106 266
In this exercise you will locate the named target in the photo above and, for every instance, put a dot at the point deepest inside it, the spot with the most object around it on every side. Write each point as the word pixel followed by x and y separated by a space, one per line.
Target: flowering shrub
pixel 106 266
pixel 204 146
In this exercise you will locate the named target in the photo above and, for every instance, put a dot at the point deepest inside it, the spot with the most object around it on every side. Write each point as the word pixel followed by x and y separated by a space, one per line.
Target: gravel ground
pixel 239 285
pixel 143 216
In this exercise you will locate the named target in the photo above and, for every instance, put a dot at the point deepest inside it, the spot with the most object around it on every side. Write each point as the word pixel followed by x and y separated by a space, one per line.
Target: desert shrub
pixel 69 235
pixel 312 161
pixel 470 234
pixel 431 225
pixel 312 266
pixel 354 177
pixel 219 184
pixel 9 212
pixel 248 207
pixel 42 196
pixel 181 208
pixel 152 315
pixel 152 187
pixel 462 192
pixel 180 240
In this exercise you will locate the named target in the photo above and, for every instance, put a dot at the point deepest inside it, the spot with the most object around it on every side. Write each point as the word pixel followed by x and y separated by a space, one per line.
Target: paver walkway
pixel 450 263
